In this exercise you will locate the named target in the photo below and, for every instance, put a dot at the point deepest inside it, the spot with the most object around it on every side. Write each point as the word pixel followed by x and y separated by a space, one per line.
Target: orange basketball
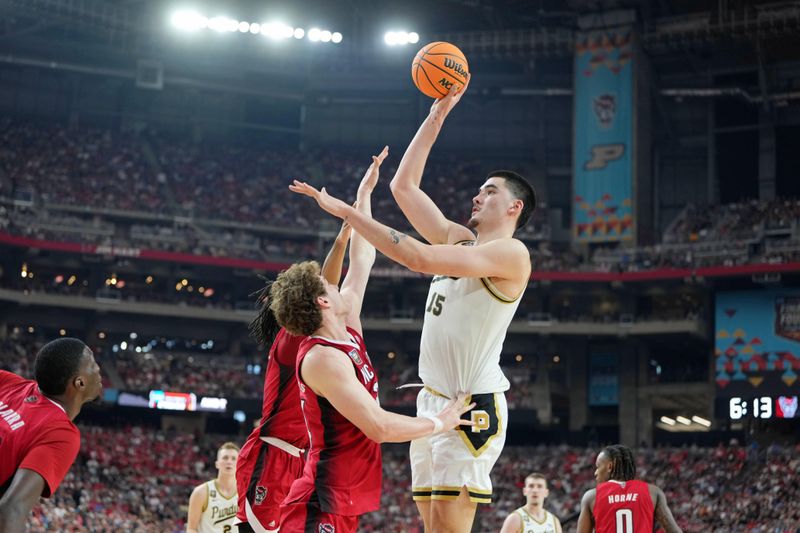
pixel 437 66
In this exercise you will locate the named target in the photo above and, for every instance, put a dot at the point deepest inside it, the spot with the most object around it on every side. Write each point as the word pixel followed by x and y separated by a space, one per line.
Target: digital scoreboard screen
pixel 757 353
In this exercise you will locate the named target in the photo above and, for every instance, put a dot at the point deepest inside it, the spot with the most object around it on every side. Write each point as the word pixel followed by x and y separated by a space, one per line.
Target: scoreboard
pixel 757 354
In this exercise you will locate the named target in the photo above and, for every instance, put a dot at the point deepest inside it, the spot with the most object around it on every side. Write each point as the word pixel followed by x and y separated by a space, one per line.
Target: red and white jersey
pixel 623 507
pixel 342 473
pixel 281 416
pixel 35 434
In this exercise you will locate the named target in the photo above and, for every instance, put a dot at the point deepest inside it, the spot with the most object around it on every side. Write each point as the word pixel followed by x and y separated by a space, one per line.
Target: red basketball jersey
pixel 343 468
pixel 623 507
pixel 35 433
pixel 281 416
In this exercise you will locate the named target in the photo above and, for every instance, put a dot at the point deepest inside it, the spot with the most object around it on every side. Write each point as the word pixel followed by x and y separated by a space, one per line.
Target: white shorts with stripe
pixel 444 463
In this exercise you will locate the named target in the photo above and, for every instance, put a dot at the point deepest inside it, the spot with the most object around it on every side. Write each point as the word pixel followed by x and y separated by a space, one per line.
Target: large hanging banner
pixel 602 209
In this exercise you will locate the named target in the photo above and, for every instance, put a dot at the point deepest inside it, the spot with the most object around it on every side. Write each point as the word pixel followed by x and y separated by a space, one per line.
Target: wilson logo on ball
pixel 458 67
pixel 437 67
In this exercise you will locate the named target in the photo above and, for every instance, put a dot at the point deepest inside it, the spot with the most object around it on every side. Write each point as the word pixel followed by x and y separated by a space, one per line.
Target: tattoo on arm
pixel 396 236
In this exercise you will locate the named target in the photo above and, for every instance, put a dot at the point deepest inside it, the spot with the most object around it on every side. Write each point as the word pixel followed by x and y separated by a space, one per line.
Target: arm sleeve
pixel 52 456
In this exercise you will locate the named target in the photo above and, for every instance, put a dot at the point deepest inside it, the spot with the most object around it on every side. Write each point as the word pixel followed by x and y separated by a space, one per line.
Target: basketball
pixel 437 66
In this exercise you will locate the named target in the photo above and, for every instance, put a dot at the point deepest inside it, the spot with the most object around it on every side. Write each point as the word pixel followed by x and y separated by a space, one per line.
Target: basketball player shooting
pixel 478 281
pixel 338 392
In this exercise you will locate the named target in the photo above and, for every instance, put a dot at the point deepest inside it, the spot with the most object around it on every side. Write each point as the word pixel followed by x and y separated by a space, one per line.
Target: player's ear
pixel 516 206
pixel 323 301
pixel 79 382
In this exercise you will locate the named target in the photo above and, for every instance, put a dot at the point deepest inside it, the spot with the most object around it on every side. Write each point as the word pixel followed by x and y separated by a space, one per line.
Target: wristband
pixel 438 425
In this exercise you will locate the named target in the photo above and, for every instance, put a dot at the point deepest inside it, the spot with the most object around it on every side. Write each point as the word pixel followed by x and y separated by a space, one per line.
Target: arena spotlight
pixel 400 38
pixel 189 20
pixel 325 36
pixel 255 28
pixel 244 27
pixel 277 30
pixel 336 37
pixel 314 34
pixel 299 33
pixel 702 421
pixel 683 420
pixel 667 420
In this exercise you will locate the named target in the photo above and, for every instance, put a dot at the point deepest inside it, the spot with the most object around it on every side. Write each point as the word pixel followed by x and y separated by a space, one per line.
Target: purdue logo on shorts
pixel 487 424
pixel 326 528
pixel 261 494
pixel 481 421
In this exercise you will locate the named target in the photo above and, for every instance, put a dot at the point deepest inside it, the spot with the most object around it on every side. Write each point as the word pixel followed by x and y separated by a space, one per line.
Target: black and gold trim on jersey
pixel 488 424
pixel 495 292
pixel 425 494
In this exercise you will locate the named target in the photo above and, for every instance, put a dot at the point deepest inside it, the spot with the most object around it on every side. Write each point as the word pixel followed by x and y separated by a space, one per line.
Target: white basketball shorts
pixel 444 463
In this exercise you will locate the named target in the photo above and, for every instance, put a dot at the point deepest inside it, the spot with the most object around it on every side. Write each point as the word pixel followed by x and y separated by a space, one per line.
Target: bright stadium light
pixel 325 36
pixel 683 420
pixel 299 33
pixel 231 25
pixel 314 34
pixel 277 30
pixel 244 27
pixel 336 37
pixel 189 20
pixel 255 28
pixel 400 38
pixel 667 420
pixel 702 421
pixel 217 24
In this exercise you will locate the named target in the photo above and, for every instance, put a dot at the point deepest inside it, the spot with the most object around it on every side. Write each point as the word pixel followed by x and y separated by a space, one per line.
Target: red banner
pixel 251 264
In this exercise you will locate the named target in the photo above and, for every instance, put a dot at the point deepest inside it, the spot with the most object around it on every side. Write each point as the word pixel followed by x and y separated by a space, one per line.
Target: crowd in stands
pixel 139 479
pixel 132 479
pixel 207 375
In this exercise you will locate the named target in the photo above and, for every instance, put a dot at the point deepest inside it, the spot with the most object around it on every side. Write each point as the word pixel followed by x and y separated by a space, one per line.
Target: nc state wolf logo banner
pixel 602 208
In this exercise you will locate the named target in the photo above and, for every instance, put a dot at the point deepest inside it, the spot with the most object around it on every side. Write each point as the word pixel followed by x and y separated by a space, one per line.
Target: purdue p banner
pixel 602 207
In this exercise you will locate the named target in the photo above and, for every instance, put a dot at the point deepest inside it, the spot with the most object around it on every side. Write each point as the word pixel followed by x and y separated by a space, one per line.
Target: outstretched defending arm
pixel 446 260
pixel 417 206
pixel 329 373
pixel 332 267
pixel 362 253
pixel 662 513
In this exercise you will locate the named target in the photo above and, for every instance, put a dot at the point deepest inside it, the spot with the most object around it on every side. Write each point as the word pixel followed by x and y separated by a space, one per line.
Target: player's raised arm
pixel 417 206
pixel 362 253
pixel 329 373
pixel 586 518
pixel 447 260
pixel 332 266
pixel 662 513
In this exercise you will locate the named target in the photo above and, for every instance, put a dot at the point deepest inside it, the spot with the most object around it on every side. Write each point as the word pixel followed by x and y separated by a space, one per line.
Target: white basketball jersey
pixel 531 525
pixel 220 512
pixel 465 325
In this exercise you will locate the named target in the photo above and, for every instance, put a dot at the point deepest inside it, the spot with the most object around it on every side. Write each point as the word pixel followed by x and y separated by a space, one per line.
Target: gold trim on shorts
pixel 426 494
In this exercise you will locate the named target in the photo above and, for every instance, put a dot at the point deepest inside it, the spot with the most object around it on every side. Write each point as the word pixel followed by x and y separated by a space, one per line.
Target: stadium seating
pixel 142 478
